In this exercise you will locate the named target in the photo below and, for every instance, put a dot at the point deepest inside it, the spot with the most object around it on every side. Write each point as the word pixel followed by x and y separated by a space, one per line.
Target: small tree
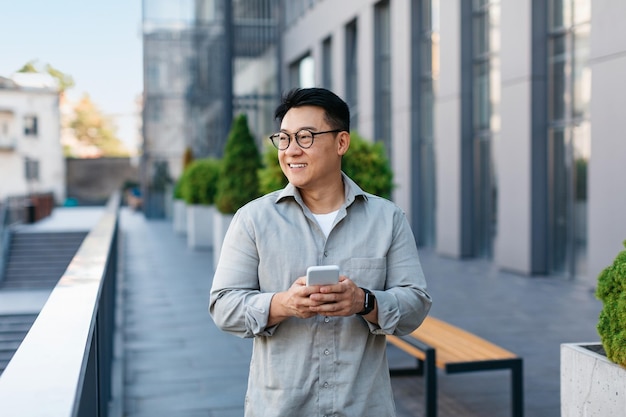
pixel 65 81
pixel 611 326
pixel 238 181
pixel 187 157
pixel 92 127
pixel 198 183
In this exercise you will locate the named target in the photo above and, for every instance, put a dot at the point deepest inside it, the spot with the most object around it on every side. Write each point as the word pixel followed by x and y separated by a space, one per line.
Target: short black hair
pixel 337 113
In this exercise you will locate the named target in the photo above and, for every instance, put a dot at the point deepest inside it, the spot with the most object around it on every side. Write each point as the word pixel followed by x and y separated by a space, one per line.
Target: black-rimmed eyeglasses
pixel 304 138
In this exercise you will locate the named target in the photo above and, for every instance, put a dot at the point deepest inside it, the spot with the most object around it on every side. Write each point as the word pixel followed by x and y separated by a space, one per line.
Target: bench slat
pixel 452 344
pixel 406 346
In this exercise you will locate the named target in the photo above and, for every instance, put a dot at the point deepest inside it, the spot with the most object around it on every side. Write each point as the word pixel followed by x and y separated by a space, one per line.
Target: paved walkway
pixel 178 364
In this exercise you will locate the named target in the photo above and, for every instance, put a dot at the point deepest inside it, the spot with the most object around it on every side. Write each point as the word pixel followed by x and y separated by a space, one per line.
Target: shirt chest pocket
pixel 369 273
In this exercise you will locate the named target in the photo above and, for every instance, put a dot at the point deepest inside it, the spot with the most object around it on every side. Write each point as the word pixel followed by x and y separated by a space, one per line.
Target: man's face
pixel 317 166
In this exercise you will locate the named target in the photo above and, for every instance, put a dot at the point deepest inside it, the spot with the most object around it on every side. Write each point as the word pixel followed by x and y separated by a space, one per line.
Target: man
pixel 318 350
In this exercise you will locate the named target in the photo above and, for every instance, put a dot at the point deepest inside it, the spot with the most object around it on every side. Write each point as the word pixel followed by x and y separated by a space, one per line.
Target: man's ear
pixel 343 142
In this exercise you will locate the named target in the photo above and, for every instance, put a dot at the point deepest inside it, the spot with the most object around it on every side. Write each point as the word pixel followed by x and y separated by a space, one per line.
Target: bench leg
pixel 430 384
pixel 517 390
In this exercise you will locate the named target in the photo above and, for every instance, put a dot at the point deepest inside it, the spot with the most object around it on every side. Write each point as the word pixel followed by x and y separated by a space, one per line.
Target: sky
pixel 98 43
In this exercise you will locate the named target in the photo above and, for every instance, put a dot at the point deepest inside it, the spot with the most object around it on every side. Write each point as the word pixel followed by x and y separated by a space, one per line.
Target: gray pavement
pixel 177 363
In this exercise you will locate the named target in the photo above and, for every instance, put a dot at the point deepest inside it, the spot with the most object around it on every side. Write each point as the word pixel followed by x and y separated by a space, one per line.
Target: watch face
pixel 368 299
pixel 368 303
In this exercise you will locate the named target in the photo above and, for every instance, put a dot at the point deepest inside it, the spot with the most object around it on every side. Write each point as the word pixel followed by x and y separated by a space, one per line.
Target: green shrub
pixel 271 177
pixel 611 326
pixel 198 183
pixel 367 164
pixel 238 181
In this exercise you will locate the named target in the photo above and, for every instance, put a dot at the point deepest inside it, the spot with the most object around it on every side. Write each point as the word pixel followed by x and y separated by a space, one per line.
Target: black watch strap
pixel 369 303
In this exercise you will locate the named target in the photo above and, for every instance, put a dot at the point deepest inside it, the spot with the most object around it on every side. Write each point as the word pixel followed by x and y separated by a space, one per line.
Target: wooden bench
pixel 437 344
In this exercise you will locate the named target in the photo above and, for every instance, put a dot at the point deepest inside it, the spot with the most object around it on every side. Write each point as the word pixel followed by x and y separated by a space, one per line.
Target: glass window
pixel 424 23
pixel 351 72
pixel 302 72
pixel 382 75
pixel 31 169
pixel 30 125
pixel 485 126
pixel 569 139
pixel 327 63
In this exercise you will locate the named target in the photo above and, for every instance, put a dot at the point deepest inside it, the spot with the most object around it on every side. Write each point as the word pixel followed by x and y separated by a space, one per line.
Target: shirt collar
pixel 351 189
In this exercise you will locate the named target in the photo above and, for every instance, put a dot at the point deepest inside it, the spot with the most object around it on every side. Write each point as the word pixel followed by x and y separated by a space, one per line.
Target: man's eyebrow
pixel 301 128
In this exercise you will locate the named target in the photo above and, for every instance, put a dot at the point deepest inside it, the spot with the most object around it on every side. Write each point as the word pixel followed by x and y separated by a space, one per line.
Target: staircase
pixel 37 260
pixel 13 329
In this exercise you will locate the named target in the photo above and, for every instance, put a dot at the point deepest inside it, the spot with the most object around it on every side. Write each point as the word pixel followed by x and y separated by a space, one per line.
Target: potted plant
pixel 593 375
pixel 365 162
pixel 198 187
pixel 238 181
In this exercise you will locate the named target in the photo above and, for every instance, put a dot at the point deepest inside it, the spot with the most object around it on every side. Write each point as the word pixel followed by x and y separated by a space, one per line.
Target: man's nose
pixel 293 146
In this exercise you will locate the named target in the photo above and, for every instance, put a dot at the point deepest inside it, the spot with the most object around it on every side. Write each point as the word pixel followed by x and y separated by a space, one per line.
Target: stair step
pixel 38 260
pixel 13 330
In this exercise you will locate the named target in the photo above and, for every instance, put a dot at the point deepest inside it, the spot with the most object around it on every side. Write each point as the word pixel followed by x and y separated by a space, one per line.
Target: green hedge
pixel 611 326
pixel 367 164
pixel 198 183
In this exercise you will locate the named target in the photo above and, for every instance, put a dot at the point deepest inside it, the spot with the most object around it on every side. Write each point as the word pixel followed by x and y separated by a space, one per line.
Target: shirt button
pixel 326 254
pixel 325 384
pixel 326 319
pixel 327 352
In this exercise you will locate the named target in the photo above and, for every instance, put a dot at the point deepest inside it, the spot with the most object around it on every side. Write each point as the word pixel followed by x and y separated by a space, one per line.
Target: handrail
pixel 8 217
pixel 63 366
pixel 4 238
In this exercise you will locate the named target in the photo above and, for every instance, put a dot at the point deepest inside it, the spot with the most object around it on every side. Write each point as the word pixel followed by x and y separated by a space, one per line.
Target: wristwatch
pixel 369 303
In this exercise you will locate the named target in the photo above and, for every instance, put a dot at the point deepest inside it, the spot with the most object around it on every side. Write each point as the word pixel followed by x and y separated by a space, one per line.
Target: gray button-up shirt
pixel 321 366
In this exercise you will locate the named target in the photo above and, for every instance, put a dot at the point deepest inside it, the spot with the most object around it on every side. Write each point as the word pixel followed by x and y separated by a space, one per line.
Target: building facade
pixel 501 119
pixel 31 155
pixel 205 61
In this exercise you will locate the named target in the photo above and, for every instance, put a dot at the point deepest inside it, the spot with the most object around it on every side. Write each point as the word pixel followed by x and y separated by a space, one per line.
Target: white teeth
pixel 297 165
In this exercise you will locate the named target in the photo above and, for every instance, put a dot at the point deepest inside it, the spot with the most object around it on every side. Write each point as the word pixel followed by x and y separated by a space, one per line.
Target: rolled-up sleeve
pixel 236 304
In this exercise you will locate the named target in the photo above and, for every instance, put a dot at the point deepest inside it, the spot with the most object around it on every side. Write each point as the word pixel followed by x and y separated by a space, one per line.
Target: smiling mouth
pixel 297 165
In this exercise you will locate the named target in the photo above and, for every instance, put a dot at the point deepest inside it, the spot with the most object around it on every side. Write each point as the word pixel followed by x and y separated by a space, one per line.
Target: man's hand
pixel 342 299
pixel 295 302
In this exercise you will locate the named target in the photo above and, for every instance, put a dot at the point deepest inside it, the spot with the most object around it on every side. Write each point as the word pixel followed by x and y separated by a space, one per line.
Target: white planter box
pixel 200 226
pixel 220 227
pixel 591 385
pixel 179 217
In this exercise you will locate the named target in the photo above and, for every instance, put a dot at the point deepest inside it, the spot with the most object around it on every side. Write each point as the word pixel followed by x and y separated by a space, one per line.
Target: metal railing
pixel 11 212
pixel 64 365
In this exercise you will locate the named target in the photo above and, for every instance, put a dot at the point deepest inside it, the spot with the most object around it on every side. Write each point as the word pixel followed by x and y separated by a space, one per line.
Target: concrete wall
pixel 513 147
pixel 607 166
pixel 91 181
pixel 448 133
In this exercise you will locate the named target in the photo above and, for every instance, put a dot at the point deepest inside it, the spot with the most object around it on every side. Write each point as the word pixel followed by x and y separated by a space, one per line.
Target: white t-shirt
pixel 326 221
